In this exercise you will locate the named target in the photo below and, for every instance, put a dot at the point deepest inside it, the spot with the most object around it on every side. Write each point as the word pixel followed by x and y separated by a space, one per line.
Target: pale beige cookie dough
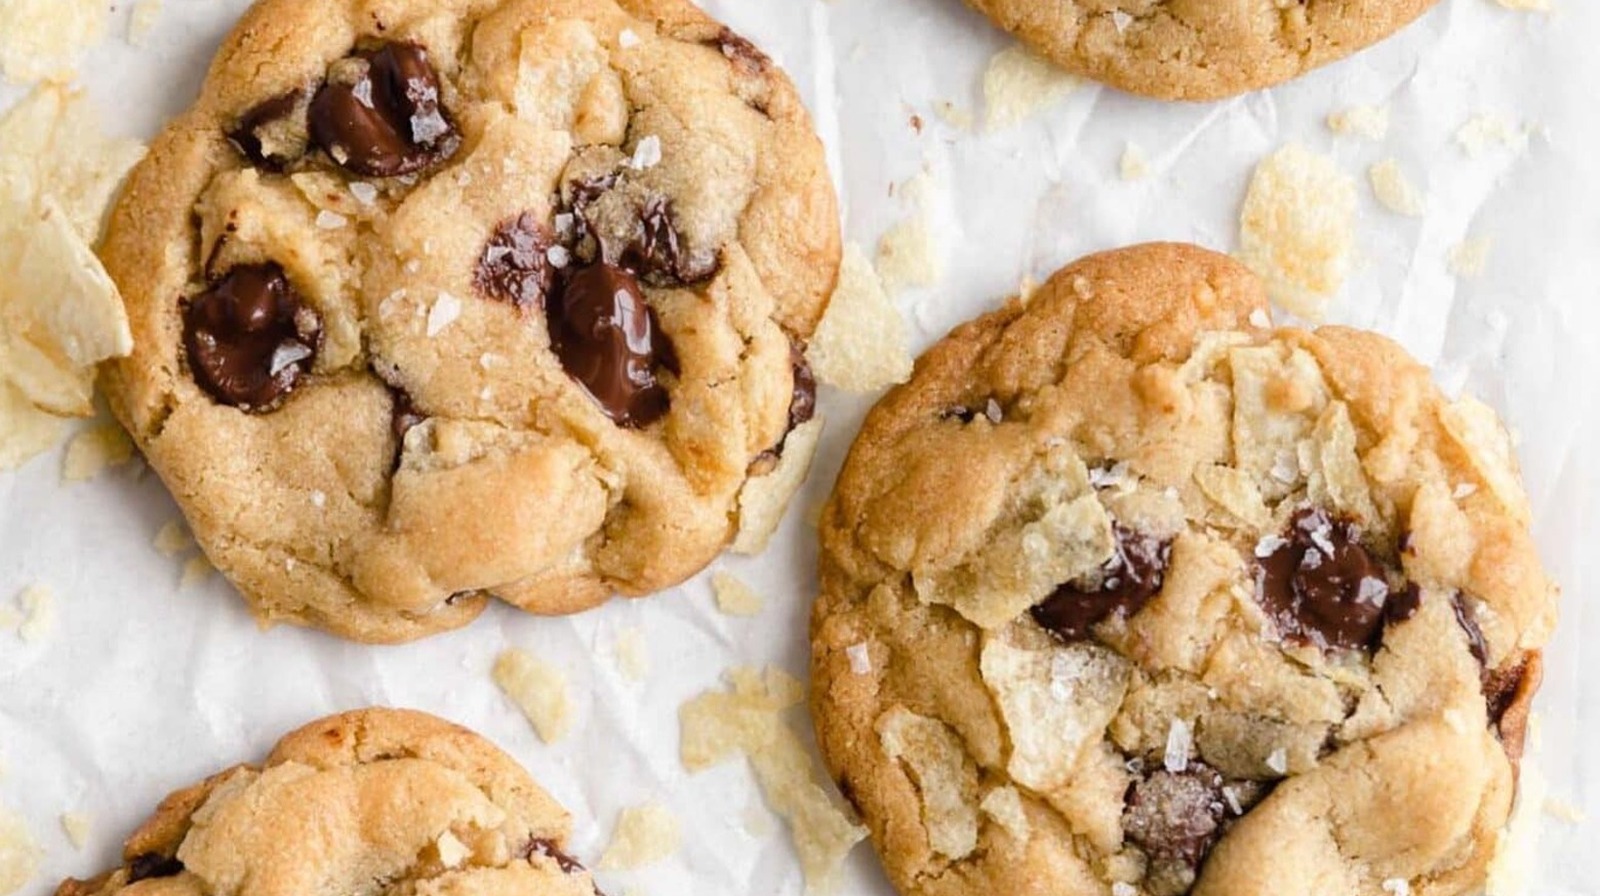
pixel 1127 591
pixel 439 301
pixel 372 801
pixel 1199 49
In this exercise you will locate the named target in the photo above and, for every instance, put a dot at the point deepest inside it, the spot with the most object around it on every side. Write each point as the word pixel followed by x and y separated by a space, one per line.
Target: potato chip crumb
pixel 1468 258
pixel 19 855
pixel 538 689
pixel 452 852
pixel 953 115
pixel 945 777
pixel 645 834
pixel 25 431
pixel 1297 229
pixel 1564 811
pixel 1054 703
pixel 1368 122
pixel 860 658
pixel 38 607
pixel 143 21
pixel 734 597
pixel 42 39
pixel 52 147
pixel 861 343
pixel 1396 191
pixel 1004 805
pixel 633 654
pixel 764 499
pixel 93 450
pixel 1486 131
pixel 197 571
pixel 77 826
pixel 907 256
pixel 173 538
pixel 717 725
pixel 1019 83
pixel 1134 165
pixel 1526 5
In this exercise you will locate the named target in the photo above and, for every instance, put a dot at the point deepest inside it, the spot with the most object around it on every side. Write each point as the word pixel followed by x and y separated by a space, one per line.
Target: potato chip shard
pixel 1297 228
pixel 861 343
pixel 52 146
pixel 1368 122
pixel 718 725
pixel 538 689
pixel 645 834
pixel 1396 191
pixel 734 597
pixel 633 654
pixel 173 539
pixel 42 39
pixel 1526 5
pixel 1278 394
pixel 1235 492
pixel 907 255
pixel 38 607
pixel 25 431
pixel 1134 165
pixel 77 826
pixel 197 571
pixel 1468 258
pixel 1055 701
pixel 945 776
pixel 94 450
pixel 1019 83
pixel 1485 131
pixel 1334 476
pixel 1004 805
pixel 1482 438
pixel 19 855
pixel 764 499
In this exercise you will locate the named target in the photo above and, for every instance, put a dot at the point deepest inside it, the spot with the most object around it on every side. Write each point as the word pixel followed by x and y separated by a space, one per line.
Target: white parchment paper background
pixel 143 687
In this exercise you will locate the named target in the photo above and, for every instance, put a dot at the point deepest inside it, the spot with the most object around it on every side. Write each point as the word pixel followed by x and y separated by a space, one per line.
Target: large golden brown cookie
pixel 434 301
pixel 1127 591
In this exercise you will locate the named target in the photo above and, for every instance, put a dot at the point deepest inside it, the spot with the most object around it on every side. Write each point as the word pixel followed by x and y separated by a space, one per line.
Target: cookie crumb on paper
pixel 1297 228
pixel 39 613
pixel 1469 257
pixel 633 654
pixel 764 499
pixel 1134 164
pixel 734 597
pixel 861 343
pixel 538 689
pixel 197 571
pixel 19 855
pixel 92 451
pixel 173 539
pixel 907 256
pixel 1367 122
pixel 955 116
pixel 1526 5
pixel 43 39
pixel 1486 131
pixel 1018 83
pixel 1396 191
pixel 77 826
pixel 645 834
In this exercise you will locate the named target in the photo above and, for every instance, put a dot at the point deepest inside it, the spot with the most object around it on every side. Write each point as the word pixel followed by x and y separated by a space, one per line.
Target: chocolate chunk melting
pixel 548 849
pixel 803 403
pixel 273 134
pixel 1176 817
pixel 150 864
pixel 1128 580
pixel 609 341
pixel 1468 620
pixel 250 338
pixel 380 114
pixel 742 53
pixel 626 224
pixel 403 414
pixel 1321 586
pixel 515 266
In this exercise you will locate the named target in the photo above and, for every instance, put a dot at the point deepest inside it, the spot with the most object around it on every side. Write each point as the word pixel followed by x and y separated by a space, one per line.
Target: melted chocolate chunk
pixel 1502 686
pixel 548 849
pixel 403 414
pixel 1403 605
pixel 1128 580
pixel 386 121
pixel 742 53
pixel 1176 817
pixel 273 134
pixel 623 224
pixel 608 340
pixel 803 404
pixel 515 266
pixel 250 338
pixel 1469 624
pixel 1321 586
pixel 150 864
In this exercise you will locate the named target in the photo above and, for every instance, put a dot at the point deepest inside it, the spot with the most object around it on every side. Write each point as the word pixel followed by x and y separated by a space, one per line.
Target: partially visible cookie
pixel 373 801
pixel 1127 591
pixel 1202 49
pixel 437 300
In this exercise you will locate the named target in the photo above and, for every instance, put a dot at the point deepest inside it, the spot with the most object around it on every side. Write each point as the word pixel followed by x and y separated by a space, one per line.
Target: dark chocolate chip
pixel 1403 604
pixel 609 341
pixel 388 121
pixel 803 402
pixel 148 865
pixel 272 135
pixel 1469 624
pixel 1176 817
pixel 1502 686
pixel 1128 580
pixel 515 265
pixel 548 849
pixel 250 338
pixel 657 254
pixel 614 223
pixel 742 53
pixel 1321 586
pixel 403 414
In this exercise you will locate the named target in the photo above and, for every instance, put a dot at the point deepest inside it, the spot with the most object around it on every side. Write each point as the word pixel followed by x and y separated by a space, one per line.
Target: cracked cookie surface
pixel 1189 605
pixel 1202 49
pixel 378 801
pixel 441 301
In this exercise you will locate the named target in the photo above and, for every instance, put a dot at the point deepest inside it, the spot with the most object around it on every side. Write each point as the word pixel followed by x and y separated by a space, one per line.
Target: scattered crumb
pixel 734 597
pixel 633 654
pixel 860 657
pixel 197 571
pixel 142 21
pixel 1369 122
pixel 173 539
pixel 1397 193
pixel 645 835
pixel 1019 83
pixel 1485 131
pixel 38 607
pixel 1297 228
pixel 1526 5
pixel 1564 811
pixel 953 115
pixel 764 499
pixel 91 451
pixel 1134 164
pixel 1469 257
pixel 77 826
pixel 861 343
pixel 539 690
pixel 718 725
pixel 907 255
pixel 42 39
pixel 19 856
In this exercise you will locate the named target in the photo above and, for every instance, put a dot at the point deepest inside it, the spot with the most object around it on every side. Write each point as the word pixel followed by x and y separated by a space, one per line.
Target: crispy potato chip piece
pixel 1236 493
pixel 539 690
pixel 42 39
pixel 1334 477
pixel 860 345
pixel 93 450
pixel 764 499
pixel 1477 430
pixel 645 834
pixel 1297 228
pixel 1004 805
pixel 945 775
pixel 1277 396
pixel 734 597
pixel 1396 191
pixel 39 606
pixel 1368 122
pixel 633 654
pixel 51 145
pixel 1056 702
pixel 1019 83
pixel 77 826
pixel 25 431
pixel 19 855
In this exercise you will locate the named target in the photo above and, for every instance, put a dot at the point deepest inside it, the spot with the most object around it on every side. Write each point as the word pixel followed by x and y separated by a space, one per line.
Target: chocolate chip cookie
pixel 1127 591
pixel 378 800
pixel 439 301
pixel 1201 50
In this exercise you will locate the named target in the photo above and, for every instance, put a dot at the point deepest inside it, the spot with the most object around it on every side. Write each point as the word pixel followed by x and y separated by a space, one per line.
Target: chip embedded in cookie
pixel 1196 605
pixel 435 302
pixel 1200 50
pixel 372 800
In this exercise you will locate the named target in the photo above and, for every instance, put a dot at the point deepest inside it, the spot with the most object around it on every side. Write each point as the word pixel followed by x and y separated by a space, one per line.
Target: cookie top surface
pixel 440 300
pixel 1200 50
pixel 377 801
pixel 1127 591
